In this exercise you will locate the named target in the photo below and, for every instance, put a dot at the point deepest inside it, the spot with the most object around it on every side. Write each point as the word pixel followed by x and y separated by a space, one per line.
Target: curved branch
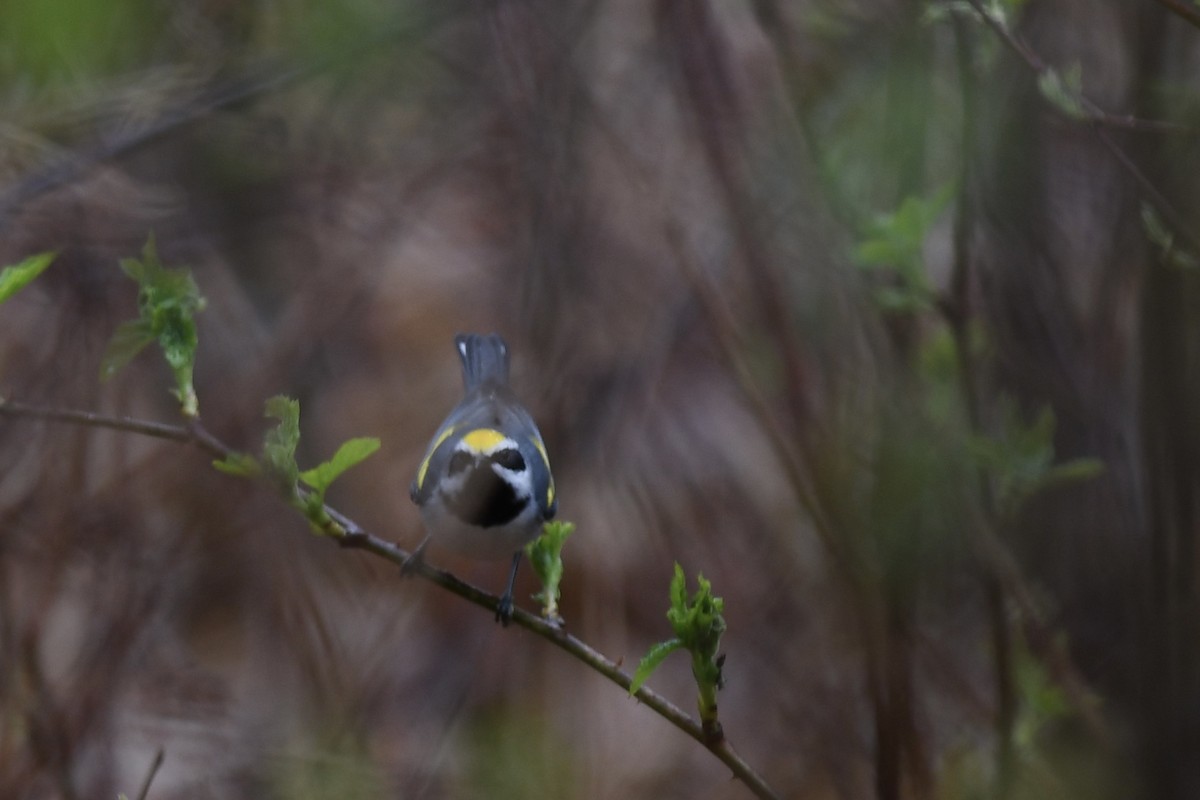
pixel 357 538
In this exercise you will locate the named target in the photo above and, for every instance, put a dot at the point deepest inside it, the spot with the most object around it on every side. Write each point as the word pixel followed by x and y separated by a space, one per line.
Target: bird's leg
pixel 415 559
pixel 504 609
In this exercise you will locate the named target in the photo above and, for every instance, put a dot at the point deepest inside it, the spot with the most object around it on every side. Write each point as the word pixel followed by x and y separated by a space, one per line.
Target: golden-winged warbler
pixel 484 487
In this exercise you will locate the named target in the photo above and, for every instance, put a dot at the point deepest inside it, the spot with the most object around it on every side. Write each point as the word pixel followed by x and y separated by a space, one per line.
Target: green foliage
pixel 319 30
pixel 168 301
pixel 650 662
pixel 1041 701
pixel 698 625
pixel 1064 90
pixel 350 453
pixel 912 511
pixel 16 277
pixel 241 465
pixel 895 243
pixel 1049 759
pixel 1021 459
pixel 280 442
pixel 279 459
pixel 60 42
pixel 1046 760
pixel 1164 239
pixel 1002 11
pixel 938 366
pixel 545 554
pixel 936 12
pixel 514 753
pixel 336 763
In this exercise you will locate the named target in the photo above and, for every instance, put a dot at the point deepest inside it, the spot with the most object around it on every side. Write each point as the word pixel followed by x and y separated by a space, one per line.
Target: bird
pixel 484 487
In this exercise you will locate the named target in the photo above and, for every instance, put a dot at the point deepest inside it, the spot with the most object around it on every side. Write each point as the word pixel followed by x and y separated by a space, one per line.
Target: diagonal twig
pixel 154 767
pixel 1092 112
pixel 1183 10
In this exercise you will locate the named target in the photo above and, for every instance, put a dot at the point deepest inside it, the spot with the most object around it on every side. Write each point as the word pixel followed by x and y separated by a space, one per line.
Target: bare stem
pixel 1100 122
pixel 157 430
pixel 1092 112
pixel 355 537
pixel 1183 10
pixel 154 767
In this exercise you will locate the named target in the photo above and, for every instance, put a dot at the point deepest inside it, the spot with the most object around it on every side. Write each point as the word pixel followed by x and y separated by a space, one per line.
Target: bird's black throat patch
pixel 486 499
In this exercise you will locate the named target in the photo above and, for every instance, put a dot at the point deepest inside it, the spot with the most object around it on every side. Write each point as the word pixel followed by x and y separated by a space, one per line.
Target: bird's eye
pixel 510 459
pixel 459 462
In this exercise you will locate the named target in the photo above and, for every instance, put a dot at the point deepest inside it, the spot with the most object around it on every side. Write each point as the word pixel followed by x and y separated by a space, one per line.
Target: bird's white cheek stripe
pixel 519 480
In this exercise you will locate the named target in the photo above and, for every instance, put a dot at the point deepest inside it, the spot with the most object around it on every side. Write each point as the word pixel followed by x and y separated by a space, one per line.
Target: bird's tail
pixel 484 359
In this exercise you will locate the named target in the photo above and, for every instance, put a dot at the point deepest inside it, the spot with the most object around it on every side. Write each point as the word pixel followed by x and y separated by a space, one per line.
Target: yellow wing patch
pixel 443 436
pixel 484 440
pixel 541 448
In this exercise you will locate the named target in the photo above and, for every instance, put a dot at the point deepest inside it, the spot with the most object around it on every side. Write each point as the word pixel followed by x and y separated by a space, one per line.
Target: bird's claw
pixel 504 610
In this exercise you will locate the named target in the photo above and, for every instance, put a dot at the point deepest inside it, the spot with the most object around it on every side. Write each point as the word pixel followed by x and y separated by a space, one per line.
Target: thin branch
pixel 355 537
pixel 956 311
pixel 1004 577
pixel 77 164
pixel 1047 646
pixel 154 766
pixel 157 430
pixel 726 335
pixel 208 101
pixel 1101 120
pixel 1183 10
pixel 1092 112
pixel 1156 198
pixel 849 564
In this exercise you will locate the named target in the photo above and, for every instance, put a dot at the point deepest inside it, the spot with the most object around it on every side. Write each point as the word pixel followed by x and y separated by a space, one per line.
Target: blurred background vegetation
pixel 880 314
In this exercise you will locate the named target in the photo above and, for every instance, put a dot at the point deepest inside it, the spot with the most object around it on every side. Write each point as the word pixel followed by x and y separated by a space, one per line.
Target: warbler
pixel 484 487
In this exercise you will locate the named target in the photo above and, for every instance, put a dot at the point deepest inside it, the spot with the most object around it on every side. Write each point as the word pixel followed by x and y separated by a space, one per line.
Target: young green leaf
pixel 698 626
pixel 1077 469
pixel 241 465
pixel 16 277
pixel 678 591
pixel 1064 90
pixel 128 340
pixel 699 622
pixel 545 554
pixel 350 453
pixel 1040 700
pixel 1020 459
pixel 321 476
pixel 279 459
pixel 654 656
pixel 168 300
pixel 279 444
pixel 893 245
pixel 1159 235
